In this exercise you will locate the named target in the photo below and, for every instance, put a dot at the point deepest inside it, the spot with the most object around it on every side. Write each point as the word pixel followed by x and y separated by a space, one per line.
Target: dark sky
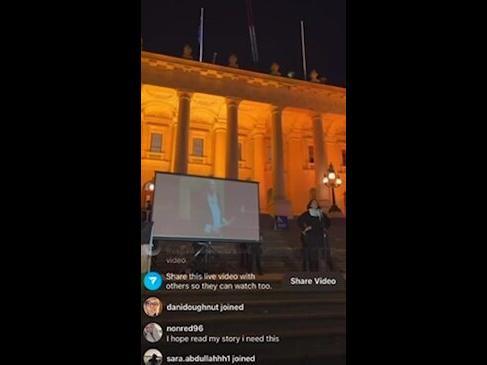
pixel 169 24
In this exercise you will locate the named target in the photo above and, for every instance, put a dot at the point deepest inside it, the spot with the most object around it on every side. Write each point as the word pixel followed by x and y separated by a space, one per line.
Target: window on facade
pixel 156 142
pixel 198 147
pixel 240 155
pixel 344 158
pixel 311 154
pixel 269 152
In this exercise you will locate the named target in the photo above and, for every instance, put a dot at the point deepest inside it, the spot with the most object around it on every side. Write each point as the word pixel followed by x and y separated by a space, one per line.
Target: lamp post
pixel 149 191
pixel 333 181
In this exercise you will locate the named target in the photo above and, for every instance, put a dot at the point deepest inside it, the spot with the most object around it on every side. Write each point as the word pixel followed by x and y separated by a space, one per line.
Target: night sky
pixel 167 25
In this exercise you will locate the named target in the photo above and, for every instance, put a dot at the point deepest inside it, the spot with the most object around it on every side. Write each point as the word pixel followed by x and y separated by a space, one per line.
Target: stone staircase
pixel 311 325
pixel 281 250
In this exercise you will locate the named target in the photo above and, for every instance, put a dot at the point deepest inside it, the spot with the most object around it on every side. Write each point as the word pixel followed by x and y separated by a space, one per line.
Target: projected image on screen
pixel 197 208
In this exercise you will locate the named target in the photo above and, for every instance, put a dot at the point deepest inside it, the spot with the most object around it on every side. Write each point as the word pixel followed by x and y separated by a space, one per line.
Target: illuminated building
pixel 211 120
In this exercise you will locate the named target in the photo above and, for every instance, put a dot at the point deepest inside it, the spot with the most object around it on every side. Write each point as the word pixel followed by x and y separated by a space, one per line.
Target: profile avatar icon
pixel 153 307
pixel 152 357
pixel 152 332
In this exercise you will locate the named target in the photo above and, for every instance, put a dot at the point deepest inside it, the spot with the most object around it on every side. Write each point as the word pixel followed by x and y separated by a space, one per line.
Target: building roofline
pixel 242 72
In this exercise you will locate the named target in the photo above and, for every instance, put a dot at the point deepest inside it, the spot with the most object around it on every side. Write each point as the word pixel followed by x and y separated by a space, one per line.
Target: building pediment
pixel 178 73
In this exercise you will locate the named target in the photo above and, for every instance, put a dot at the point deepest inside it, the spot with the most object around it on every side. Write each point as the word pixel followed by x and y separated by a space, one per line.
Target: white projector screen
pixel 205 209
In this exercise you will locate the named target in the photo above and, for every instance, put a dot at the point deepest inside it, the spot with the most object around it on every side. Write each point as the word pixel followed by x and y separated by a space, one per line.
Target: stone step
pixel 273 357
pixel 281 251
pixel 267 307
pixel 261 324
pixel 319 344
pixel 268 266
pixel 314 347
pixel 284 296
pixel 261 314
pixel 305 336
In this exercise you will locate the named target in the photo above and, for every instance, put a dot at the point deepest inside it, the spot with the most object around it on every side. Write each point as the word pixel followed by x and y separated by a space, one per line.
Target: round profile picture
pixel 152 306
pixel 152 357
pixel 152 332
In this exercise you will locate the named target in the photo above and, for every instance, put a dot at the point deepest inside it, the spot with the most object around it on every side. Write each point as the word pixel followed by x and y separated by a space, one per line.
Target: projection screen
pixel 198 208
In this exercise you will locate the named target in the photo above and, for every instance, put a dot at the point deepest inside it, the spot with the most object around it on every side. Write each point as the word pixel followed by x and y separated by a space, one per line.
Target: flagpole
pixel 253 38
pixel 201 36
pixel 303 49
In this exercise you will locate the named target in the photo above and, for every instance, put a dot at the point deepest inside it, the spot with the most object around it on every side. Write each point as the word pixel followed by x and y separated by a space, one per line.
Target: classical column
pixel 144 135
pixel 182 133
pixel 171 143
pixel 219 153
pixel 295 170
pixel 231 165
pixel 281 206
pixel 259 163
pixel 320 160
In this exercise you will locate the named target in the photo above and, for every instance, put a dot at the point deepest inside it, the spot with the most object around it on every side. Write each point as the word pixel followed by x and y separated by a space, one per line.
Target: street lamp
pixel 333 181
pixel 149 186
pixel 149 191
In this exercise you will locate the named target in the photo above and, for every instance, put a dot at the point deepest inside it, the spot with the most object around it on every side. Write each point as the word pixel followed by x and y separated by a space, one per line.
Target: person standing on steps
pixel 314 224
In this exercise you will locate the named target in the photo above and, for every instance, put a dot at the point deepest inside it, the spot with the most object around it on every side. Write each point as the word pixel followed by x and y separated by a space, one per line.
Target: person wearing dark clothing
pixel 256 248
pixel 250 257
pixel 148 211
pixel 245 256
pixel 154 360
pixel 314 224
